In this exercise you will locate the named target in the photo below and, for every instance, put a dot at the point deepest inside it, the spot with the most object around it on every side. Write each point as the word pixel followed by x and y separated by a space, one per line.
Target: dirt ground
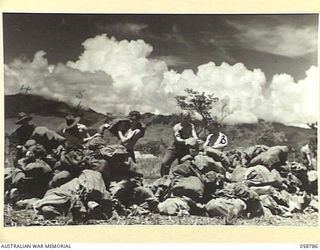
pixel 15 218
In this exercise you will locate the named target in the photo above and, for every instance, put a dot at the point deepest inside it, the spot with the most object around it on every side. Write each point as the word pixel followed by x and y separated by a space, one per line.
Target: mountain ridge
pixel 159 135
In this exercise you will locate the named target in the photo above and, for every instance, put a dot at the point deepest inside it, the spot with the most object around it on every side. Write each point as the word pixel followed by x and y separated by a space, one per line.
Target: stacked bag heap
pixel 63 172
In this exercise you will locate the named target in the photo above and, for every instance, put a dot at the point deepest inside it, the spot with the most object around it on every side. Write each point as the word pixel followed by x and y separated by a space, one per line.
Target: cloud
pixel 119 76
pixel 284 40
pixel 134 74
pixel 172 60
pixel 59 81
pixel 236 83
pixel 293 102
pixel 123 28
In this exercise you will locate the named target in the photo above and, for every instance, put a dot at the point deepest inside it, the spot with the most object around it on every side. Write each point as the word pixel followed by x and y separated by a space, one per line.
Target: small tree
pixel 200 103
pixel 224 110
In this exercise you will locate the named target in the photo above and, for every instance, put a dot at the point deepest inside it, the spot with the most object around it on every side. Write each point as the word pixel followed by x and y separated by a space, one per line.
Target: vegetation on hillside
pixel 159 132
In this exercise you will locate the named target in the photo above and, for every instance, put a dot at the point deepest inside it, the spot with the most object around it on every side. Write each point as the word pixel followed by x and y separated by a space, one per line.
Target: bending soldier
pixel 214 139
pixel 182 132
pixel 74 131
pixel 133 134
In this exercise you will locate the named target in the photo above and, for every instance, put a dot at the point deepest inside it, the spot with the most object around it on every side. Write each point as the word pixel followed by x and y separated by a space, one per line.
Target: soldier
pixel 309 154
pixel 73 131
pixel 20 136
pixel 215 139
pixel 182 132
pixel 133 134
pixel 23 133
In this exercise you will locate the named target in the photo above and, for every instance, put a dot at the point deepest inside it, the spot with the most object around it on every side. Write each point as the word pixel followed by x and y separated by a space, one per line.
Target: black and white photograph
pixel 160 119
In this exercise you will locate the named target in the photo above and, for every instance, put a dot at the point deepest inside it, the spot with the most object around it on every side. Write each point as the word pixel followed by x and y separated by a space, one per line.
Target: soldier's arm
pixel 88 138
pixel 306 150
pixel 177 136
pixel 124 138
pixel 221 142
pixel 207 142
pixel 309 158
pixel 103 127
pixel 194 133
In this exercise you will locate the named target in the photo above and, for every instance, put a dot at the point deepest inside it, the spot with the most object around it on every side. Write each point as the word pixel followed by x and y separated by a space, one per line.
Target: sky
pixel 261 66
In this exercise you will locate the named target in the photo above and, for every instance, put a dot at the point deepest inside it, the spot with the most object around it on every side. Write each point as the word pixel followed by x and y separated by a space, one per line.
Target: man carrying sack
pixel 182 132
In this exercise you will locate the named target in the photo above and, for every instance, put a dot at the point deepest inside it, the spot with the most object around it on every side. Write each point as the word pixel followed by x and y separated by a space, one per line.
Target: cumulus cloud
pixel 284 40
pixel 59 81
pixel 119 76
pixel 242 87
pixel 136 76
pixel 293 102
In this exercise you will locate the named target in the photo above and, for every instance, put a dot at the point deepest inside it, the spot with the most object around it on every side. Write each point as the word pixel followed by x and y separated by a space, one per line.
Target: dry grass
pixel 150 168
pixel 14 218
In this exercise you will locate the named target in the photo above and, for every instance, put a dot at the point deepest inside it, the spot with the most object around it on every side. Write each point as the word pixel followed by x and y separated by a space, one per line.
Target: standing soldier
pixel 182 132
pixel 309 154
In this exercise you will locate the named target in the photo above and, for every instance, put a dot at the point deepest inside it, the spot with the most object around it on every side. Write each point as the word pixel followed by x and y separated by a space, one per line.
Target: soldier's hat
pixel 23 117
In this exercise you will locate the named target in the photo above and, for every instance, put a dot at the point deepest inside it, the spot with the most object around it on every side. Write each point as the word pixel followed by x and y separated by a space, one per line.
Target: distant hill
pixel 158 135
pixel 46 112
